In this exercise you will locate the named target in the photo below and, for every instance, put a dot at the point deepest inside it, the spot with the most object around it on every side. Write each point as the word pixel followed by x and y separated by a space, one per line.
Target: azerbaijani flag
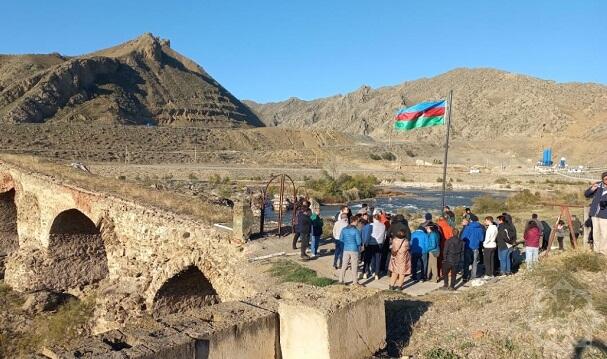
pixel 423 114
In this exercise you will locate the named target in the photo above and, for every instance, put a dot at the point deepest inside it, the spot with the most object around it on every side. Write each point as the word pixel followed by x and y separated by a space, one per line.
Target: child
pixel 560 233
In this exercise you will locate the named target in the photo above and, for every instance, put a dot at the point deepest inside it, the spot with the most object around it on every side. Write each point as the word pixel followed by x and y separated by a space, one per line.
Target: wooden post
pixel 586 229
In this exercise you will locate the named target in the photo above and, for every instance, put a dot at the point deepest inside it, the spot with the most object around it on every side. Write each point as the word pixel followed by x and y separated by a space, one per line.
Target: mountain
pixel 487 104
pixel 142 81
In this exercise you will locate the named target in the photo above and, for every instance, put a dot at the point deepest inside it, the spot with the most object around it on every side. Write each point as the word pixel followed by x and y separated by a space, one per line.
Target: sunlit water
pixel 419 200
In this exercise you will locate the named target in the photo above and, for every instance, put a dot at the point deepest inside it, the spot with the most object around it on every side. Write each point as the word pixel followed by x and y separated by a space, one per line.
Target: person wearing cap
pixel 427 219
pixel 598 212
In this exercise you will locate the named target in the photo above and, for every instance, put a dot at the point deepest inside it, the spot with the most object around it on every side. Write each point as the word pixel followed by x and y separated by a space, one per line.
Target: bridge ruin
pixel 56 236
pixel 187 279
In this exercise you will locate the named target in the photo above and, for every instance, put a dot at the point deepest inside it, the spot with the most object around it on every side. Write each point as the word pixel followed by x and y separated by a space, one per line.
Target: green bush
pixel 216 179
pixel 523 200
pixel 439 179
pixel 331 189
pixel 388 156
pixel 501 180
pixel 487 204
pixel 375 157
pixel 289 271
pixel 440 353
pixel 225 191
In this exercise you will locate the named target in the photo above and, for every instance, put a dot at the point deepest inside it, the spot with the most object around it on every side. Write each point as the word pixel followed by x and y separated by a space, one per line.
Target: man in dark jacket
pixel 304 228
pixel 598 212
pixel 546 230
pixel 451 257
pixel 505 240
pixel 300 206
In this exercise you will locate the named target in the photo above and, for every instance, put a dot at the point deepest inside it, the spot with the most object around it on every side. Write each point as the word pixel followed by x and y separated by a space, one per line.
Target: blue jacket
pixel 366 233
pixel 473 235
pixel 419 242
pixel 597 197
pixel 350 237
pixel 433 242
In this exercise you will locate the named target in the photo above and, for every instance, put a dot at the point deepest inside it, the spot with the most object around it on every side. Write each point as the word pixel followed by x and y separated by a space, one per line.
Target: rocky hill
pixel 142 81
pixel 487 104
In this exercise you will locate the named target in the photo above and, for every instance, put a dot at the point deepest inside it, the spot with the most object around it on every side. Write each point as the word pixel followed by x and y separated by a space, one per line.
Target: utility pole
pixel 449 100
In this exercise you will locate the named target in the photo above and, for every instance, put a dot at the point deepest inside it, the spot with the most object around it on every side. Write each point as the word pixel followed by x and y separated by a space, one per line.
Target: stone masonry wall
pixel 145 246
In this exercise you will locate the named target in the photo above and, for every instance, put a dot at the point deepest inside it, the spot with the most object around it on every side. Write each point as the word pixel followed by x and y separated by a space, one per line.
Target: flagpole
pixel 449 99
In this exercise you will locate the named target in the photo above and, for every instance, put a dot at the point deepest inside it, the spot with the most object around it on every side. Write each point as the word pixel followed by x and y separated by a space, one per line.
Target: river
pixel 416 200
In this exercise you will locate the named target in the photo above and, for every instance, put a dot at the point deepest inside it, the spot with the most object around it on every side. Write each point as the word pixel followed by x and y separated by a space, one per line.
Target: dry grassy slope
pixel 540 314
pixel 487 104
pixel 140 81
pixel 158 139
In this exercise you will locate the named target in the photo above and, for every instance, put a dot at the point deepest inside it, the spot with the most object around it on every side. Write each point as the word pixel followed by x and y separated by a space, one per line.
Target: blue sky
pixel 272 50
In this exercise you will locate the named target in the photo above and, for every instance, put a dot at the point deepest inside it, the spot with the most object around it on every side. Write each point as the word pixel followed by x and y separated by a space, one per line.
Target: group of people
pixel 438 250
pixel 433 251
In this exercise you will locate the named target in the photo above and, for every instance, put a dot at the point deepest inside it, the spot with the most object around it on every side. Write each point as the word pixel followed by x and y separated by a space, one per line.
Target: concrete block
pixel 342 322
pixel 229 330
pixel 155 342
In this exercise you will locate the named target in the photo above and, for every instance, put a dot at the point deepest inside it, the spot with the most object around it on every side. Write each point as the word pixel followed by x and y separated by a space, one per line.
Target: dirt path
pixel 323 265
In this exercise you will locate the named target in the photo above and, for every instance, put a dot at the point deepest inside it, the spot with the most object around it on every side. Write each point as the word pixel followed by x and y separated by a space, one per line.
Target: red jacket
pixel 532 237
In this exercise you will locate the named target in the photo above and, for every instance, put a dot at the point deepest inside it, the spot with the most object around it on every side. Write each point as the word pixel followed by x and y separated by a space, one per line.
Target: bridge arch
pixel 76 250
pixel 9 239
pixel 187 289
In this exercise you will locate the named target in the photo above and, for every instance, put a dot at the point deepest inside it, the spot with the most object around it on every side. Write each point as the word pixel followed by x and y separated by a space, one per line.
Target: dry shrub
pixel 487 204
pixel 67 324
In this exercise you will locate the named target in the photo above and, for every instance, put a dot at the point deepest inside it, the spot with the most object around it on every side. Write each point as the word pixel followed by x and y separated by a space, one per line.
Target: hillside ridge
pixel 141 81
pixel 487 103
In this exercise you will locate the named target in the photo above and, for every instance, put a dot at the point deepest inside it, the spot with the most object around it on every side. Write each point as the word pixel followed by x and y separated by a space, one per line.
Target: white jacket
pixel 338 226
pixel 490 236
pixel 378 232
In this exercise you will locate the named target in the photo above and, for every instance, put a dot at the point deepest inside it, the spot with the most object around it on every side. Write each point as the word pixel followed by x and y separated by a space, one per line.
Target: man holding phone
pixel 598 212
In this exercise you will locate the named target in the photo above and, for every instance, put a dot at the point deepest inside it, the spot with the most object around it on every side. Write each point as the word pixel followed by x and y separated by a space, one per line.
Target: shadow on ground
pixel 590 349
pixel 401 315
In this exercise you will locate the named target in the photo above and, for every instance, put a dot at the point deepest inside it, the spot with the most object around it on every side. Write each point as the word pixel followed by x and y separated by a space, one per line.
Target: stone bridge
pixel 139 259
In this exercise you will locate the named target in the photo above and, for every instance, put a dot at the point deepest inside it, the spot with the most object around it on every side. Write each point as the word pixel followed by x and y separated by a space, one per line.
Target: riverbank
pixel 455 186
